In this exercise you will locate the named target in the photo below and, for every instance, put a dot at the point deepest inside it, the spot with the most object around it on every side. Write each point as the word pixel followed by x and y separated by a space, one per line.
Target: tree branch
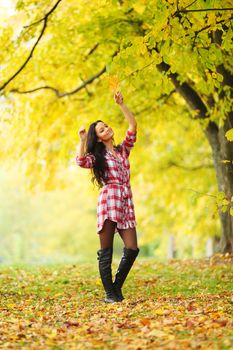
pixel 63 94
pixel 188 5
pixel 194 101
pixel 36 89
pixel 207 27
pixel 193 168
pixel 92 50
pixel 27 60
pixel 205 10
pixel 164 98
pixel 59 93
pixel 45 20
pixel 46 16
pixel 184 9
pixel 186 91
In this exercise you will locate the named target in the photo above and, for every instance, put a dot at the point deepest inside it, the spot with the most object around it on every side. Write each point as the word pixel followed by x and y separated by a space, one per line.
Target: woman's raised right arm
pixel 82 159
pixel 81 148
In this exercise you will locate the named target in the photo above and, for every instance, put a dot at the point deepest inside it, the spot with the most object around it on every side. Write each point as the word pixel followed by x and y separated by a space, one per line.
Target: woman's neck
pixel 109 145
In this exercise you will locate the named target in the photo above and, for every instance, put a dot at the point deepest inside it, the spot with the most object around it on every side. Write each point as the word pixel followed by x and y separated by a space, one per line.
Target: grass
pixel 175 305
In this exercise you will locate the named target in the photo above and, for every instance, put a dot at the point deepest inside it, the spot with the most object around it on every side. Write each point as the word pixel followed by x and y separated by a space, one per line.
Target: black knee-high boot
pixel 105 269
pixel 127 260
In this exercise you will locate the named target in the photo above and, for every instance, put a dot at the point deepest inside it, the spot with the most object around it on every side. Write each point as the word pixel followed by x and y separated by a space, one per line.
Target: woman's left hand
pixel 118 98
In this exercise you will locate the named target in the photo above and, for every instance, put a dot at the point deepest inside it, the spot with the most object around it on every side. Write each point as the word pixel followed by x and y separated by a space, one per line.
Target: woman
pixel 115 210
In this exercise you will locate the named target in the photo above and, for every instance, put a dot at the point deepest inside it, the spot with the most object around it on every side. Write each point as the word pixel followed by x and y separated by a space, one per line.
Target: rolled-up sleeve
pixel 128 142
pixel 86 161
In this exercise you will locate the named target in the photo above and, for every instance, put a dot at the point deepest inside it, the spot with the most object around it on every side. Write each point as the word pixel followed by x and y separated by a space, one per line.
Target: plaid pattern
pixel 115 200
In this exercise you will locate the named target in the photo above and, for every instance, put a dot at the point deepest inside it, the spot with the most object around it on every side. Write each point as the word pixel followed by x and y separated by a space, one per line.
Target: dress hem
pixel 118 227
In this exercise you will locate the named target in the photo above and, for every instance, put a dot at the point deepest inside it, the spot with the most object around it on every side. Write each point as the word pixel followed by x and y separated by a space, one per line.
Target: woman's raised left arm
pixel 128 115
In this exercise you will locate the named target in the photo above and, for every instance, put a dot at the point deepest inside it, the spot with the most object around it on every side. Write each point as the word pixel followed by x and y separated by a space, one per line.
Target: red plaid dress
pixel 115 200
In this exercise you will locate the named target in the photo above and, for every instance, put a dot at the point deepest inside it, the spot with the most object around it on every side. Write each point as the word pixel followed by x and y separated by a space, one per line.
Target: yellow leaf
pixel 53 334
pixel 139 8
pixel 157 333
pixel 113 82
pixel 10 305
pixel 159 312
pixel 202 319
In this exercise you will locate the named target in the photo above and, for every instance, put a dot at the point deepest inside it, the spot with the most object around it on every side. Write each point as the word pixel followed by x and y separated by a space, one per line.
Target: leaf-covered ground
pixel 175 305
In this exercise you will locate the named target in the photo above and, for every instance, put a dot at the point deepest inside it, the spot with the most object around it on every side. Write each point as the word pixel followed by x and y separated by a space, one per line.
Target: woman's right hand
pixel 82 133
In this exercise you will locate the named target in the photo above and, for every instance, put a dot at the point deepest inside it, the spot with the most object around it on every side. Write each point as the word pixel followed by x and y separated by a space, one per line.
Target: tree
pixel 163 48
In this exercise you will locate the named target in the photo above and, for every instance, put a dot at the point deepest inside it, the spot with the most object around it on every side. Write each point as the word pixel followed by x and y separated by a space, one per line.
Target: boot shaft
pixel 125 265
pixel 105 269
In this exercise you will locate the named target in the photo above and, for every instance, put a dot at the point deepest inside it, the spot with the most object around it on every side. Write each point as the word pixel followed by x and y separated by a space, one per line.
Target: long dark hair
pixel 98 149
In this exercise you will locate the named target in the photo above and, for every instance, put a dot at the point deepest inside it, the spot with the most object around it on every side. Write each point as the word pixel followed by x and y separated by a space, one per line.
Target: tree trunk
pixel 222 149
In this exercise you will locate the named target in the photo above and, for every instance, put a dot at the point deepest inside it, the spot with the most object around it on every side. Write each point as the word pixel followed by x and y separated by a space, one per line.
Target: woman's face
pixel 103 131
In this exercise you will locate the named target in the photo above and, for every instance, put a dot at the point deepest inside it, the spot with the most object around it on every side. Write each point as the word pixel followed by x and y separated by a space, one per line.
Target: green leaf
pixel 19 5
pixel 225 202
pixel 224 208
pixel 229 135
pixel 219 77
pixel 220 195
pixel 108 67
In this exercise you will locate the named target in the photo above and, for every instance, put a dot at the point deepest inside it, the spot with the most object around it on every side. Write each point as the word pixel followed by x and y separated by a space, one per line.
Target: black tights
pixel 106 235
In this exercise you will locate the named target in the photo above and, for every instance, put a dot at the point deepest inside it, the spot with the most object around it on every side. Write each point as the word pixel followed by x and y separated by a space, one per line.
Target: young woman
pixel 115 210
